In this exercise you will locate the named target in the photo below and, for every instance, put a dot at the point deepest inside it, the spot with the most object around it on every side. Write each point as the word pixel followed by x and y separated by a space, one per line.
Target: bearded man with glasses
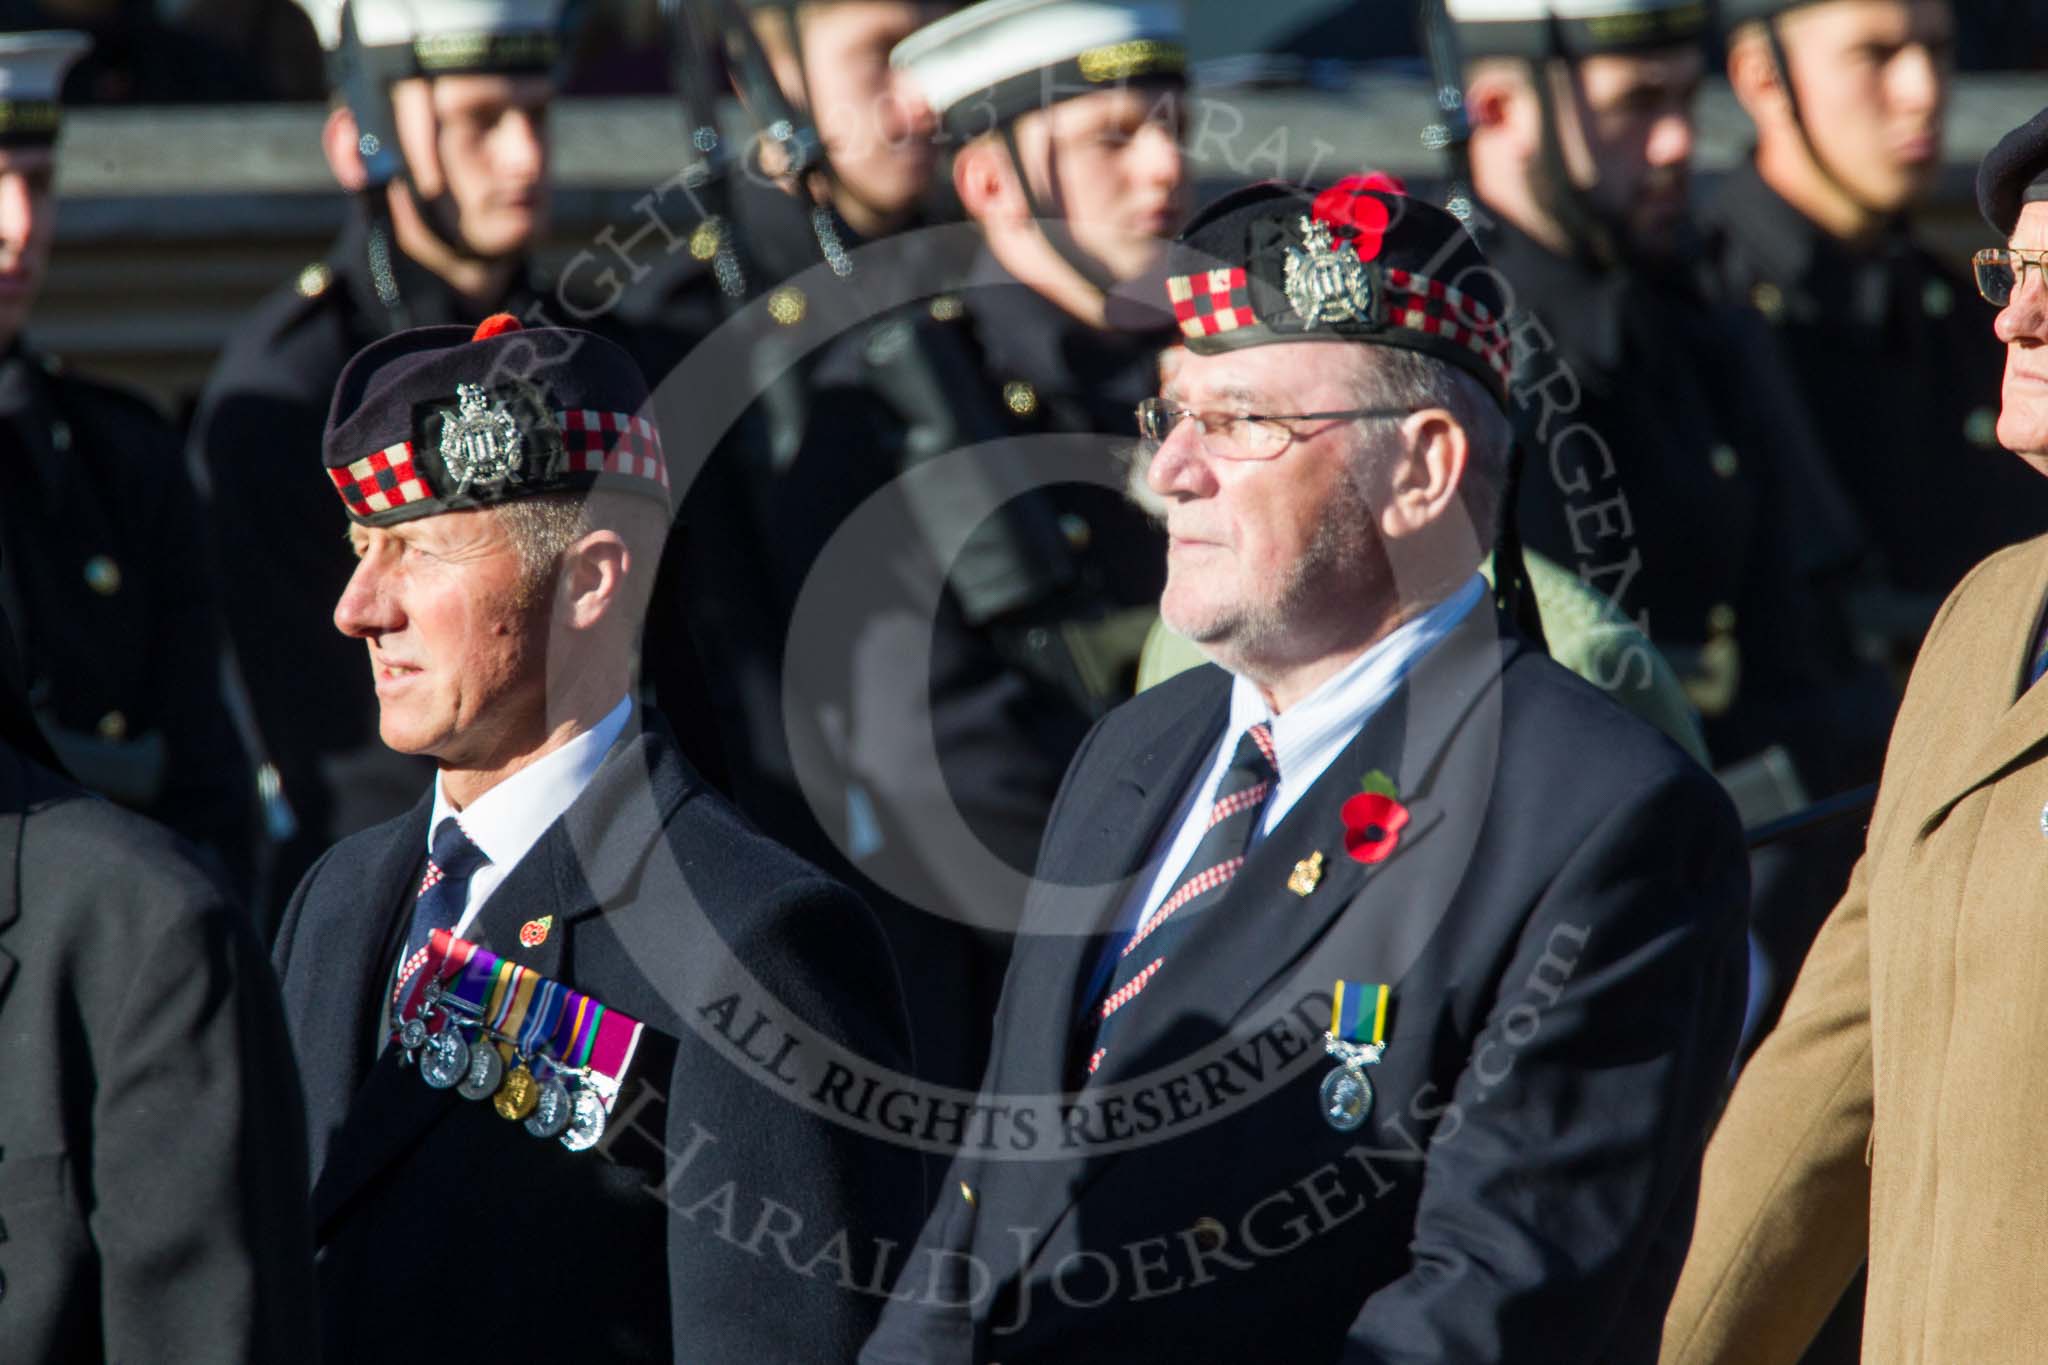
pixel 1895 1114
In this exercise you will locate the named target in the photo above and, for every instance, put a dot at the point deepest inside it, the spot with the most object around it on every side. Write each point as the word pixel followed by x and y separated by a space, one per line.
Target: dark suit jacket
pixel 152 1149
pixel 1562 925
pixel 693 1231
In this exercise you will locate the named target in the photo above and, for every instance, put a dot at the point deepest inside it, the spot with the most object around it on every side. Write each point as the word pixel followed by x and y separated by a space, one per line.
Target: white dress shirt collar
pixel 1309 735
pixel 508 820
pixel 1306 740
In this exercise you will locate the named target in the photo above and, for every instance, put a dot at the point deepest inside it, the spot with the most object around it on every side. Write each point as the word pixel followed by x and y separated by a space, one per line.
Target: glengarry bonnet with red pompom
pixel 443 419
pixel 1359 261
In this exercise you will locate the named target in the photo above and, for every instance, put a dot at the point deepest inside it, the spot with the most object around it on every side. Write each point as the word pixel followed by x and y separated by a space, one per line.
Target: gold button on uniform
pixel 948 308
pixel 1020 398
pixel 103 575
pixel 1723 461
pixel 706 239
pixel 113 725
pixel 1769 300
pixel 788 305
pixel 1208 1234
pixel 314 280
pixel 1076 529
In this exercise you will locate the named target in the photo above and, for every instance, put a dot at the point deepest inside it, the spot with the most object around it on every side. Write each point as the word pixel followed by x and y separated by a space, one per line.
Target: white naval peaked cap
pixel 1576 28
pixel 447 36
pixel 32 70
pixel 986 64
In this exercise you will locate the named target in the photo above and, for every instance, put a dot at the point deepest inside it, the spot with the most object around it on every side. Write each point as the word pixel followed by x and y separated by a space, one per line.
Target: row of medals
pixel 545 1103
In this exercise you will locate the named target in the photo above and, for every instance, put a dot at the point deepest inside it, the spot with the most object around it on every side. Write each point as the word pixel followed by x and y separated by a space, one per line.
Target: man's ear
pixel 338 139
pixel 1754 78
pixel 1425 476
pixel 1489 96
pixel 592 583
pixel 987 183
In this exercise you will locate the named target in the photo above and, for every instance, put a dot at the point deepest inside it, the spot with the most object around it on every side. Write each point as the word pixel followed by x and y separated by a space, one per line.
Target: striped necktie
pixel 452 859
pixel 1233 817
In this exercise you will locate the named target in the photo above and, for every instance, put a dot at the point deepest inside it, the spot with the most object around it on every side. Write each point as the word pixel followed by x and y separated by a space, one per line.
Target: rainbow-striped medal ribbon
pixel 1357 1039
pixel 545 1055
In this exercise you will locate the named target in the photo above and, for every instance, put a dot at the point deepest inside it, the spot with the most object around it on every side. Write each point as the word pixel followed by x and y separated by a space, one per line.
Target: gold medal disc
pixel 517 1096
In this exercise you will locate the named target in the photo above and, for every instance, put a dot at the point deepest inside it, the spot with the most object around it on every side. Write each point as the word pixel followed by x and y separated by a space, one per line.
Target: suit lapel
pixel 1260 931
pixel 1072 919
pixel 2022 724
pixel 333 980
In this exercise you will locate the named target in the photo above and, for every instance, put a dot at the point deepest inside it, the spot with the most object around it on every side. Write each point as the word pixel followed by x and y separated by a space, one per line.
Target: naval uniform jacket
pixel 754 273
pixel 445 1232
pixel 103 574
pixel 1897 1110
pixel 1894 353
pixel 1715 524
pixel 1561 925
pixel 152 1148
pixel 998 661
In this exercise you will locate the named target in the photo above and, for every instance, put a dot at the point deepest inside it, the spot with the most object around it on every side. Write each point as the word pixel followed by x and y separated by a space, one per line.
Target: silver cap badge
pixel 479 443
pixel 1326 282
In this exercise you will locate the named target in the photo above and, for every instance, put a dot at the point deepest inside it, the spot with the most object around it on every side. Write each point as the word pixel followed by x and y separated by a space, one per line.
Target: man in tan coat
pixel 1900 1109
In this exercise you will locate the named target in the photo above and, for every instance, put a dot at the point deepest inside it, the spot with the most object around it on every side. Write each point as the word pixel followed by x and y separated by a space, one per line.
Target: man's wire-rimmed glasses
pixel 2001 271
pixel 1241 436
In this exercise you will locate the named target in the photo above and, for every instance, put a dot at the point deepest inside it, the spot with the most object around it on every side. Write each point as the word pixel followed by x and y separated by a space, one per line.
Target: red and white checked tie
pixel 452 859
pixel 1233 817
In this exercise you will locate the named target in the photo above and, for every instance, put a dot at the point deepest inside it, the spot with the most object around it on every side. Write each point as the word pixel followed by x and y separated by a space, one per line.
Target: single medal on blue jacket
pixel 1358 1026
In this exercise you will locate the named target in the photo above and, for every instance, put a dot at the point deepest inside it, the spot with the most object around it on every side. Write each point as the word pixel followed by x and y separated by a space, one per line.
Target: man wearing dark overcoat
pixel 152 1139
pixel 1378 981
pixel 508 500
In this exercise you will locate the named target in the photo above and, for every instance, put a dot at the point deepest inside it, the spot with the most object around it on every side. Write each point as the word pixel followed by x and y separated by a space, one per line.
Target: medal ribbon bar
pixel 1358 1012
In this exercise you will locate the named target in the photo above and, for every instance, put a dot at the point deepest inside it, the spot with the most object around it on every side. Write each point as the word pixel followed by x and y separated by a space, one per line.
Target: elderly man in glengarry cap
pixel 1896 1112
pixel 1517 908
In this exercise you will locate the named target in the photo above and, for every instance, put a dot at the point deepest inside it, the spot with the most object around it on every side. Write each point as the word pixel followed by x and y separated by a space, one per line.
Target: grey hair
pixel 543 528
pixel 1395 377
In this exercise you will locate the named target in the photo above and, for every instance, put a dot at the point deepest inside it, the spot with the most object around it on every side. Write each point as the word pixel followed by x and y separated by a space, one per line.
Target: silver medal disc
pixel 586 1120
pixel 486 1069
pixel 412 1034
pixel 551 1111
pixel 445 1059
pixel 1347 1098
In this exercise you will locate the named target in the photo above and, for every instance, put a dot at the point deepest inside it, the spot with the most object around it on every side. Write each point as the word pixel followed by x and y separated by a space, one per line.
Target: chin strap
pixel 1512 593
pixel 1594 236
pixel 1090 272
pixel 776 119
pixel 1451 134
pixel 1776 44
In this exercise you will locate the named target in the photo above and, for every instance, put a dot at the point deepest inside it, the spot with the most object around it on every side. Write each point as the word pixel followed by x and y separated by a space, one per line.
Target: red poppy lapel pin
pixel 1373 819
